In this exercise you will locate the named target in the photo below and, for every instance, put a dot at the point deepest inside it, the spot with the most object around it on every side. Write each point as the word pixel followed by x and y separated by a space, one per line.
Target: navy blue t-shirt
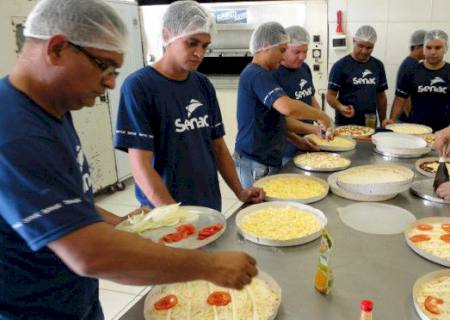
pixel 177 121
pixel 429 91
pixel 298 84
pixel 407 63
pixel 261 128
pixel 357 84
pixel 45 193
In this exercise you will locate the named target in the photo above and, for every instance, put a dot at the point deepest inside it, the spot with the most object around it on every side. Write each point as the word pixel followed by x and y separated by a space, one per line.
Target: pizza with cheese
pixel 290 187
pixel 433 298
pixel 354 131
pixel 280 223
pixel 321 160
pixel 431 166
pixel 201 300
pixel 409 128
pixel 433 238
pixel 337 142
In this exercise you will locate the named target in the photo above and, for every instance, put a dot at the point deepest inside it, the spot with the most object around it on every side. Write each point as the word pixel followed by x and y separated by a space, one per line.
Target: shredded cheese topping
pixel 291 187
pixel 438 288
pixel 321 160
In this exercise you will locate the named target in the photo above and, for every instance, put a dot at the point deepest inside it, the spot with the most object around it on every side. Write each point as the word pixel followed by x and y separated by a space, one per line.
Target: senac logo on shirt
pixel 364 78
pixel 432 87
pixel 303 93
pixel 192 123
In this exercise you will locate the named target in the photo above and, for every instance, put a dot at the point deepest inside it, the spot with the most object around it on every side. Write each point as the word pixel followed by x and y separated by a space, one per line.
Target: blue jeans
pixel 250 170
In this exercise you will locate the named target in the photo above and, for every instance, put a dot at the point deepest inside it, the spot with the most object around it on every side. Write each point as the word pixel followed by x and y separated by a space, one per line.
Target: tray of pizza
pixel 336 144
pixel 202 300
pixel 428 166
pixel 321 161
pixel 409 128
pixel 353 131
pixel 293 187
pixel 430 238
pixel 280 223
pixel 431 295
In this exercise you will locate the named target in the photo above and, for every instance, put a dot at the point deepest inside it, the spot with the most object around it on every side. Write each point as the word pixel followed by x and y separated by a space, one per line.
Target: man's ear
pixel 166 34
pixel 55 46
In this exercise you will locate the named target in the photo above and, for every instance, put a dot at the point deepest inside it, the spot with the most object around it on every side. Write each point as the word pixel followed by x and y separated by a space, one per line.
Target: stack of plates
pixel 400 145
pixel 371 182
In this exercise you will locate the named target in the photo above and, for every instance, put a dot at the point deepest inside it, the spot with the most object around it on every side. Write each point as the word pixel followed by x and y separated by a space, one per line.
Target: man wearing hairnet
pixel 295 78
pixel 54 241
pixel 415 55
pixel 263 105
pixel 170 123
pixel 427 84
pixel 357 82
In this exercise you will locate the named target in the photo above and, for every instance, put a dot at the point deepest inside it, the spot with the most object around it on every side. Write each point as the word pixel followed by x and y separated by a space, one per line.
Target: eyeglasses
pixel 107 69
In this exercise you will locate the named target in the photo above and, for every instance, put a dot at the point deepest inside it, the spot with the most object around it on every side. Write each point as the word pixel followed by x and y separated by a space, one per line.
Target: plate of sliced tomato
pixel 209 226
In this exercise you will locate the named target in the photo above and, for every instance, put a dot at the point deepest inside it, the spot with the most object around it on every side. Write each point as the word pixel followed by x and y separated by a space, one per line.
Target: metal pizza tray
pixel 424 189
pixel 318 214
pixel 421 252
pixel 402 156
pixel 317 169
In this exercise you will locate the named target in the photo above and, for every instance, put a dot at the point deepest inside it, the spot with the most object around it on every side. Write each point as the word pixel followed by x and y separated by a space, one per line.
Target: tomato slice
pixel 419 238
pixel 431 304
pixel 172 237
pixel 166 303
pixel 445 237
pixel 209 231
pixel 186 229
pixel 219 298
pixel 424 227
pixel 446 227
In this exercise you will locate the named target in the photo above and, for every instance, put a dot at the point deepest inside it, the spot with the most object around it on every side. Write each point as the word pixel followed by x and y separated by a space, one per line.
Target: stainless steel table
pixel 377 267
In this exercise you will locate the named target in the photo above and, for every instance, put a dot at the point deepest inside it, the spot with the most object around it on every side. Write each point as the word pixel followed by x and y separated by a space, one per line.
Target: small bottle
pixel 366 310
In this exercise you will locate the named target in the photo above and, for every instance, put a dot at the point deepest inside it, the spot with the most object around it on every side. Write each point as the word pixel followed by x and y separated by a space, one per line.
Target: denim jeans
pixel 250 170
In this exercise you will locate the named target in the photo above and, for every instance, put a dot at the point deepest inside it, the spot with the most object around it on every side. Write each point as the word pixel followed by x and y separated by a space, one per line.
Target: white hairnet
pixel 88 23
pixel 417 38
pixel 297 36
pixel 366 33
pixel 268 35
pixel 185 18
pixel 436 34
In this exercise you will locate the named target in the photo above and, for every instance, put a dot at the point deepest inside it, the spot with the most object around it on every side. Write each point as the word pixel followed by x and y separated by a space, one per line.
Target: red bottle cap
pixel 366 305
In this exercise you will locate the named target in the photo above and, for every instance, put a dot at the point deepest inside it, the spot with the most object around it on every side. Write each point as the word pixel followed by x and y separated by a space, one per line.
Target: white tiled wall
pixel 394 21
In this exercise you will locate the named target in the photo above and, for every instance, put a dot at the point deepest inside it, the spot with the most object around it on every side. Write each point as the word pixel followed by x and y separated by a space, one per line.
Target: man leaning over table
pixel 54 242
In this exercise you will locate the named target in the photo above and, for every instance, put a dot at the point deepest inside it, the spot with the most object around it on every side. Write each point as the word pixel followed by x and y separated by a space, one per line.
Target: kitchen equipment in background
pixel 339 40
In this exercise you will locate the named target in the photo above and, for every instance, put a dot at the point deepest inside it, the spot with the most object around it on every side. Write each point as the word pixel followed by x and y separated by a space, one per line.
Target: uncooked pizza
pixel 280 223
pixel 431 166
pixel 434 298
pixel 300 187
pixel 337 142
pixel 321 160
pixel 433 238
pixel 354 131
pixel 201 300
pixel 409 128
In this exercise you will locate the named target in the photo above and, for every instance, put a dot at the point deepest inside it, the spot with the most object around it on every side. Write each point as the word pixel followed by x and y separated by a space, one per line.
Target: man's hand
pixel 347 111
pixel 441 143
pixel 232 269
pixel 443 191
pixel 252 195
pixel 305 144
pixel 387 122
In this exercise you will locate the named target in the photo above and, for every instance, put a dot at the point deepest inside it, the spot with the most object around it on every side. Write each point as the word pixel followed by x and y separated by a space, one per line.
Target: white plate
pixel 354 195
pixel 321 169
pixel 373 187
pixel 420 251
pixel 319 215
pixel 409 128
pixel 430 159
pixel 295 175
pixel 403 156
pixel 421 281
pixel 206 217
pixel 399 143
pixel 351 146
pixel 376 218
pixel 155 293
